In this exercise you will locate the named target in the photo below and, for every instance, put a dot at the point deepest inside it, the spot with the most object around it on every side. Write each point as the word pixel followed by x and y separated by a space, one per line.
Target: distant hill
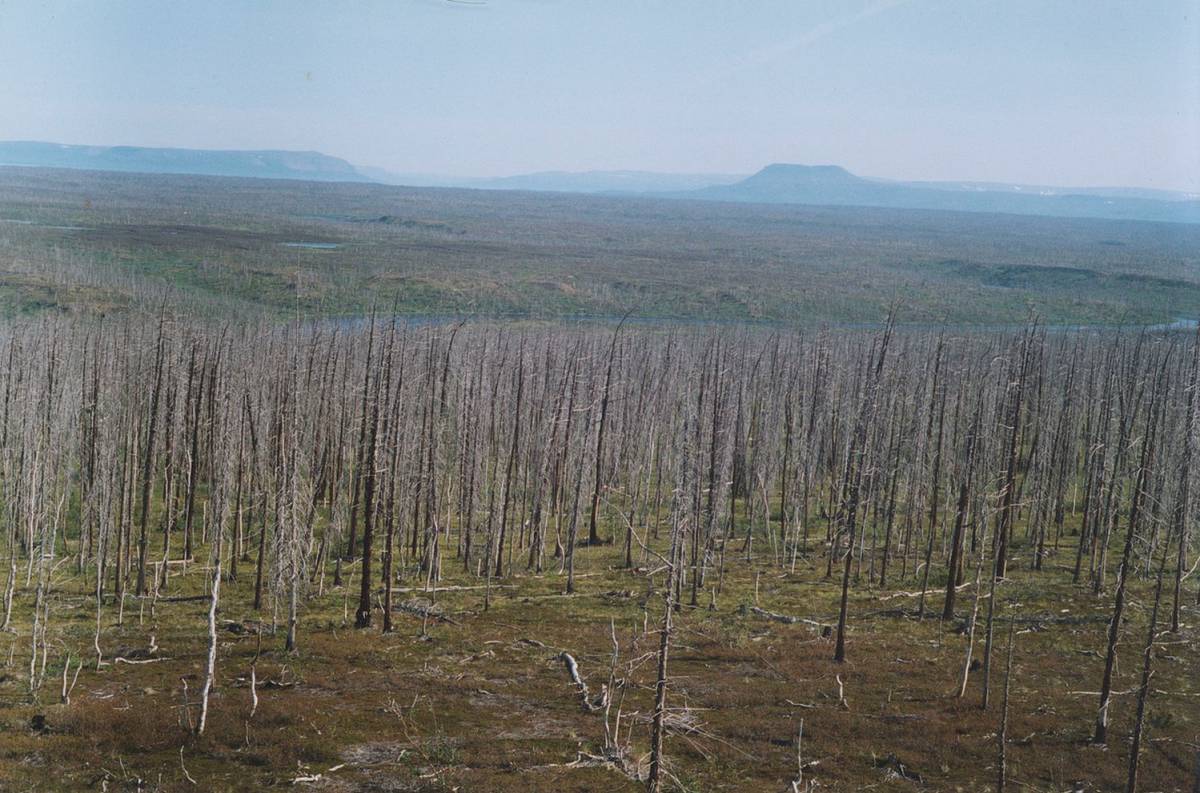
pixel 831 185
pixel 309 165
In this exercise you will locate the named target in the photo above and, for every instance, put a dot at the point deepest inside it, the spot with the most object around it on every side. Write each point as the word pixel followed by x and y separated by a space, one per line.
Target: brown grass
pixel 472 707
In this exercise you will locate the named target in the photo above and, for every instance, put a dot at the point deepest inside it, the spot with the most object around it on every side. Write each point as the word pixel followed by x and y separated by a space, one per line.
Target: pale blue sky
pixel 1040 91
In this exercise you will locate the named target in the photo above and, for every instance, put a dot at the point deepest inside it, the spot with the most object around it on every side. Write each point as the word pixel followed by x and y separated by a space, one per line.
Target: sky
pixel 1057 92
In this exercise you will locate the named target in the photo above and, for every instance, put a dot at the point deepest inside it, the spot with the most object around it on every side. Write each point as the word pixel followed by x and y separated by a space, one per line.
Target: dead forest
pixel 260 488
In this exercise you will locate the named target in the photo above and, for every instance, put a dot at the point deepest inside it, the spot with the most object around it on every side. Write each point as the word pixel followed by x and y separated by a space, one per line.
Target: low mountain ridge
pixel 778 183
pixel 264 164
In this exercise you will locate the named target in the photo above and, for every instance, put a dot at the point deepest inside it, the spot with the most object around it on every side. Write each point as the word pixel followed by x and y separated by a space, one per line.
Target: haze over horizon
pixel 1065 94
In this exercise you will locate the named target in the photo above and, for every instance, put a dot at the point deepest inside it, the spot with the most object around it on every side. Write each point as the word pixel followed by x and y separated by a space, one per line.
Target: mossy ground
pixel 481 702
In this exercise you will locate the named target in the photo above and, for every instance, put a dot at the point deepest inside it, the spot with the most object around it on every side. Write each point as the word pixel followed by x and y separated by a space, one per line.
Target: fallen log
pixel 786 619
pixel 426 609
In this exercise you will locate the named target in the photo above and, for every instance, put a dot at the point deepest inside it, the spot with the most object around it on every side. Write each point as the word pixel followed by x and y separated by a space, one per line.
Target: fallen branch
pixel 918 593
pixel 186 775
pixel 451 588
pixel 786 619
pixel 1097 693
pixel 253 691
pixel 618 764
pixel 424 609
pixel 800 764
pixel 584 696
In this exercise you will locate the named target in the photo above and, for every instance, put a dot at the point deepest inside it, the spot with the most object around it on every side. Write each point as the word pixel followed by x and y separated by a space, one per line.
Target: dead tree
pixel 1100 735
pixel 853 478
pixel 593 532
pixel 1135 744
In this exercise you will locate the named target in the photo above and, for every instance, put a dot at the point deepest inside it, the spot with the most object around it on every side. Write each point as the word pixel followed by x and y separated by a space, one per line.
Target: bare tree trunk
pixel 953 574
pixel 1183 496
pixel 148 462
pixel 593 533
pixel 853 477
pixel 1135 746
pixel 658 728
pixel 1002 733
pixel 362 617
pixel 512 459
pixel 1114 628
